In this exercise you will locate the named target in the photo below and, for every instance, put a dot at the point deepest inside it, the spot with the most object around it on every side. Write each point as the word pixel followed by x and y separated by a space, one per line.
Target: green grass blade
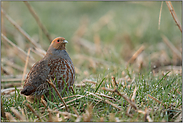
pixel 163 77
pixel 99 85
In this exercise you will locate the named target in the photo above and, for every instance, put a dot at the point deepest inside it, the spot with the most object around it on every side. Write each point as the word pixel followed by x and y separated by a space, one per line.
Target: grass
pixel 102 54
pixel 156 86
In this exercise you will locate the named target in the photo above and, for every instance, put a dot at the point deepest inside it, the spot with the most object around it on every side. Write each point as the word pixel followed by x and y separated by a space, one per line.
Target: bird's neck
pixel 59 47
pixel 57 52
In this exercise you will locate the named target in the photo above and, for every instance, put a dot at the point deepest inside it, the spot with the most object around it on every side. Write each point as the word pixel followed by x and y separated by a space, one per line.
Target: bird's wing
pixel 38 73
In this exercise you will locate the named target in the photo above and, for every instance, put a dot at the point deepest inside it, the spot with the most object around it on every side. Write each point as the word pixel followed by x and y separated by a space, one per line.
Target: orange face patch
pixel 58 40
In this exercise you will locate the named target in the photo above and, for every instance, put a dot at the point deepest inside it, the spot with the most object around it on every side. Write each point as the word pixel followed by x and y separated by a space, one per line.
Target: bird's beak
pixel 65 41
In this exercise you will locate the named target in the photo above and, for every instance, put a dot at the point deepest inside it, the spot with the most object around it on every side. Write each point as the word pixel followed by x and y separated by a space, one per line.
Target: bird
pixel 57 66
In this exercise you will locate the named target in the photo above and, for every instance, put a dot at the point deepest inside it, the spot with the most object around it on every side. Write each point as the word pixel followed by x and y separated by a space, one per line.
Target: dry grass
pixel 146 89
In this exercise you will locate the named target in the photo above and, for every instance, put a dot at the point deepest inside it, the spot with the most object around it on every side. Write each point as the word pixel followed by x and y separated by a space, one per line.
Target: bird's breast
pixel 63 71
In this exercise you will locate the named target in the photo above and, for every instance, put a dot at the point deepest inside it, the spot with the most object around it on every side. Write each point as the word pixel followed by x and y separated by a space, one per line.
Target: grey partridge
pixel 55 65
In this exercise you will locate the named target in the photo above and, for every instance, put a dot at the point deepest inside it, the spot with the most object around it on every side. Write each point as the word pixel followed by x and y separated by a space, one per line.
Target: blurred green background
pixel 133 23
pixel 138 19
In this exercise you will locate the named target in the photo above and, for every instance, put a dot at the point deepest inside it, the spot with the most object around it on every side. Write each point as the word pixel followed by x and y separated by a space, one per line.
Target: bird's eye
pixel 58 40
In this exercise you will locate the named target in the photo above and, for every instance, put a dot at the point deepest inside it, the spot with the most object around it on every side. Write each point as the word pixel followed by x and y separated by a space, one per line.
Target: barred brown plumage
pixel 55 65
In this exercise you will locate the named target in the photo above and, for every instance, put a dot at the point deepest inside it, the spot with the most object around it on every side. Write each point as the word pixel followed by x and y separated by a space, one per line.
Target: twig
pixel 43 102
pixel 23 113
pixel 160 15
pixel 122 95
pixel 89 81
pixel 17 114
pixel 3 70
pixel 154 99
pixel 128 111
pixel 178 91
pixel 146 116
pixel 140 111
pixel 87 116
pixel 134 94
pixel 63 107
pixel 38 20
pixel 31 108
pixel 20 29
pixel 127 99
pixel 43 117
pixel 11 80
pixel 171 46
pixel 75 111
pixel 12 64
pixel 108 89
pixel 171 9
pixel 111 98
pixel 97 102
pixel 25 67
pixel 133 100
pixel 114 84
pixel 18 48
pixel 135 55
pixel 65 113
pixel 10 117
pixel 50 82
pixel 38 51
pixel 179 118
pixel 70 96
pixel 106 101
pixel 79 85
pixel 9 91
pixel 73 100
pixel 7 85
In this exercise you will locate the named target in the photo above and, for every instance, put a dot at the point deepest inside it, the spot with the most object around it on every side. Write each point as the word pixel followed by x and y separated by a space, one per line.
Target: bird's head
pixel 59 43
